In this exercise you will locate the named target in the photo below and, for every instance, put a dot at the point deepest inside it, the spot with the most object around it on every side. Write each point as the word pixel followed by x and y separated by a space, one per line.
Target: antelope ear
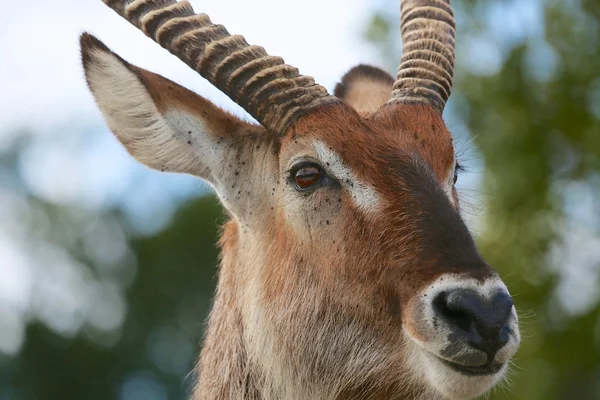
pixel 366 88
pixel 162 124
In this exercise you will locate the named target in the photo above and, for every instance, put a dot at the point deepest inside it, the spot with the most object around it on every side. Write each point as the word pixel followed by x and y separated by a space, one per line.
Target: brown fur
pixel 373 266
pixel 317 292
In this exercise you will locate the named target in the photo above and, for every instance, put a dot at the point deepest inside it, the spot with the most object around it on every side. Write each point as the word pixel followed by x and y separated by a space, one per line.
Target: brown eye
pixel 455 176
pixel 307 176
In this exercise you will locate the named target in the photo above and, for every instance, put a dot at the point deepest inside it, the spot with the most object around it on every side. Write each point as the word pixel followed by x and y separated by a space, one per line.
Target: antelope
pixel 347 271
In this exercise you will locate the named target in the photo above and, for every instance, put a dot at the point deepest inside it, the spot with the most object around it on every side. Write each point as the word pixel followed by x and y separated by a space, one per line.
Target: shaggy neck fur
pixel 238 360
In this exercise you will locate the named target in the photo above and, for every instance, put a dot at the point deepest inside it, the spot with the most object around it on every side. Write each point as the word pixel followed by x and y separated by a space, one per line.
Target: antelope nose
pixel 481 322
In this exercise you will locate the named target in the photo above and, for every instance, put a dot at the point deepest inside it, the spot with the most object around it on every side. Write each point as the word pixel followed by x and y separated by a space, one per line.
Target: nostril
pixel 502 305
pixel 461 319
pixel 454 316
pixel 481 322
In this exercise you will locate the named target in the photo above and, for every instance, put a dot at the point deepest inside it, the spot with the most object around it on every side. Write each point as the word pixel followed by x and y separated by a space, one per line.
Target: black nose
pixel 479 321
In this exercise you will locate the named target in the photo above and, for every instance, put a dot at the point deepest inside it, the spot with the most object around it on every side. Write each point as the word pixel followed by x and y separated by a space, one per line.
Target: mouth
pixel 482 370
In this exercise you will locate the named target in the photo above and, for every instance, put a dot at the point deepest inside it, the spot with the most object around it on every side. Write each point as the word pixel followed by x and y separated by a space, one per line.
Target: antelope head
pixel 347 270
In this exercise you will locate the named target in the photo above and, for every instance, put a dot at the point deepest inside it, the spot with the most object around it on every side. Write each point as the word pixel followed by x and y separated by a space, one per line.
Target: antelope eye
pixel 457 170
pixel 307 175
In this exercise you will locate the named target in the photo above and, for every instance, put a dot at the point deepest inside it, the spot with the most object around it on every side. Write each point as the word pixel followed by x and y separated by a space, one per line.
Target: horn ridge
pixel 427 64
pixel 281 87
pixel 215 52
pixel 265 76
pixel 168 32
pixel 154 19
pixel 137 8
pixel 243 72
pixel 229 65
pixel 190 44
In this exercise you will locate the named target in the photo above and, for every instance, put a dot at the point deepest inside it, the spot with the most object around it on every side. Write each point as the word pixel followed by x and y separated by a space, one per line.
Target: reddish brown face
pixel 347 270
pixel 374 222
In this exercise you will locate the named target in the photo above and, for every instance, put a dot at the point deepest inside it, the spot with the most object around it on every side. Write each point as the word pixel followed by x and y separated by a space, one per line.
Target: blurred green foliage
pixel 168 303
pixel 534 120
pixel 535 124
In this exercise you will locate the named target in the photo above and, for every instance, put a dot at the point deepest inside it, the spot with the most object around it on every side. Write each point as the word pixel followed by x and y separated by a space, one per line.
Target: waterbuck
pixel 347 271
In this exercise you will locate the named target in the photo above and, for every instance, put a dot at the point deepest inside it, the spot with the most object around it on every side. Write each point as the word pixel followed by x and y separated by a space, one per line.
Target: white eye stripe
pixel 365 197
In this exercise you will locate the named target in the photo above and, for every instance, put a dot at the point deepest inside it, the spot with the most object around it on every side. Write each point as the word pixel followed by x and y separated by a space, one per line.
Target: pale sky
pixel 41 76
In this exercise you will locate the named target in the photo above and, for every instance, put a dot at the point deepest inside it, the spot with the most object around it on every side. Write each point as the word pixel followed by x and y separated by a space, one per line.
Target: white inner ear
pixel 174 141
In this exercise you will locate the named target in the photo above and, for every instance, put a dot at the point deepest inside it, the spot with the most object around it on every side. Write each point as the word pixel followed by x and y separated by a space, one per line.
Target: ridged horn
pixel 427 64
pixel 268 89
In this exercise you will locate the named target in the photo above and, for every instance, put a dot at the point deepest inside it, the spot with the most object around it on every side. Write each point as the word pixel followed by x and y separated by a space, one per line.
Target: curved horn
pixel 268 89
pixel 427 64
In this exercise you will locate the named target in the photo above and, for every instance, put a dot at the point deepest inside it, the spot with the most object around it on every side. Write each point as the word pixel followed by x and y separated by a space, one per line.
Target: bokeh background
pixel 107 268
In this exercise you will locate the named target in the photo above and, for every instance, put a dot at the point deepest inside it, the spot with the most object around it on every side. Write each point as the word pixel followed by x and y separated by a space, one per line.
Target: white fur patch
pixel 364 196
